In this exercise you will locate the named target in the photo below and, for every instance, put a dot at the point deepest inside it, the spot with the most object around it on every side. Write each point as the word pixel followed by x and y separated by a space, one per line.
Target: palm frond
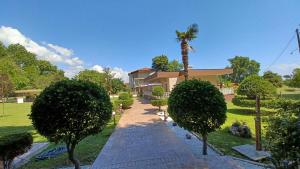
pixel 180 35
pixel 192 32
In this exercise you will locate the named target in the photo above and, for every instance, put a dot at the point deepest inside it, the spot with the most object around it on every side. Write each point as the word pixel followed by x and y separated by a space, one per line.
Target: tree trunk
pixel 204 149
pixel 159 108
pixel 72 158
pixel 258 125
pixel 185 61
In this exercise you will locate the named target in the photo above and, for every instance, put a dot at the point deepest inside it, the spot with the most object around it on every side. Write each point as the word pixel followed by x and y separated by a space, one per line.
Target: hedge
pixel 273 103
pixel 13 145
pixel 125 103
pixel 159 102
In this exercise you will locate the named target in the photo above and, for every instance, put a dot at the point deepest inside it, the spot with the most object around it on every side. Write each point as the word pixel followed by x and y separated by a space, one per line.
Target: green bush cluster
pixel 69 111
pixel 13 145
pixel 126 99
pixel 159 102
pixel 273 103
pixel 283 136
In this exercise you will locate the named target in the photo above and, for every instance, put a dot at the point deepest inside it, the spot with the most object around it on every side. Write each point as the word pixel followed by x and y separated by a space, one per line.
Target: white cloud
pixel 50 52
pixel 285 68
pixel 53 53
pixel 118 72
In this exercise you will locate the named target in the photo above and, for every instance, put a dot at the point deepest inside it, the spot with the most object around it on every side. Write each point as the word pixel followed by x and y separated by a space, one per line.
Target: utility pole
pixel 298 37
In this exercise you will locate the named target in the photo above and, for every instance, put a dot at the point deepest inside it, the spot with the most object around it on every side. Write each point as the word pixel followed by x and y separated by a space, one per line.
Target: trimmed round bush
pixel 158 91
pixel 125 96
pixel 69 111
pixel 197 106
pixel 159 102
pixel 13 145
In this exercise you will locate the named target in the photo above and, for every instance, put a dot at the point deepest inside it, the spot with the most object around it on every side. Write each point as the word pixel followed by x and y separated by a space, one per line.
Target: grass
pixel 289 92
pixel 15 120
pixel 223 140
pixel 86 151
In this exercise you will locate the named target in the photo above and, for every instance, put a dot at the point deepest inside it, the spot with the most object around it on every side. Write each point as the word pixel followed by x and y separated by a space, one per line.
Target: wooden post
pixel 258 125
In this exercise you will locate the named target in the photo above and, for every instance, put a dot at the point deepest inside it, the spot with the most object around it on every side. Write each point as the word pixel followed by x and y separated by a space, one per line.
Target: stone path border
pixel 35 149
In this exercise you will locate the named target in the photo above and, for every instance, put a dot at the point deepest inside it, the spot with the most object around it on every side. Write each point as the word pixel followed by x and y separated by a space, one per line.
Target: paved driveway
pixel 142 141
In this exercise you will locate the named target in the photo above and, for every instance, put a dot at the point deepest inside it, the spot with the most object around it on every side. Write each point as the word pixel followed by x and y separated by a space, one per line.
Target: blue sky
pixel 126 35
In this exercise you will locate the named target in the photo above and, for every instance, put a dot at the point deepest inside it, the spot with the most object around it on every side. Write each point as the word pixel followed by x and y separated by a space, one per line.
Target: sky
pixel 126 35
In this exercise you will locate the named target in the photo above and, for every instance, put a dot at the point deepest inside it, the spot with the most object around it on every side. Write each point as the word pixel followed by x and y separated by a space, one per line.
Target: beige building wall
pixel 172 83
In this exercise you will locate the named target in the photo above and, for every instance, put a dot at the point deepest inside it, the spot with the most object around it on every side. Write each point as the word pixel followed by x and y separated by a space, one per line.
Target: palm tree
pixel 184 38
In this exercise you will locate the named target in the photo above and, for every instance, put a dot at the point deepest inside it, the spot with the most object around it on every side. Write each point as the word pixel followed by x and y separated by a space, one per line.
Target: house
pixel 141 81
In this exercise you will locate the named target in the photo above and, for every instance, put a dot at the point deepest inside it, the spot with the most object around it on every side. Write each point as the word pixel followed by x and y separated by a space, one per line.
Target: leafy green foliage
pixel 117 85
pixel 13 145
pixel 295 79
pixel 273 78
pixel 174 66
pixel 283 136
pixel 158 91
pixel 254 85
pixel 6 86
pixel 242 68
pixel 91 76
pixel 197 106
pixel 125 99
pixel 159 102
pixel 189 35
pixel 69 111
pixel 25 70
pixel 160 63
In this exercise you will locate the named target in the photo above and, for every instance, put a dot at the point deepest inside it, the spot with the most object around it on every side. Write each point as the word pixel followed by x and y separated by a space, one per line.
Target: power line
pixel 282 52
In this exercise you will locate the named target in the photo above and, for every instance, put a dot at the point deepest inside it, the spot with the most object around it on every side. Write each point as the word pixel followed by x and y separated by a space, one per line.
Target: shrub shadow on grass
pixel 6 130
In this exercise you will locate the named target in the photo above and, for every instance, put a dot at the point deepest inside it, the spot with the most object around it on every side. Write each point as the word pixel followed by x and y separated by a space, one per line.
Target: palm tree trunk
pixel 204 149
pixel 185 59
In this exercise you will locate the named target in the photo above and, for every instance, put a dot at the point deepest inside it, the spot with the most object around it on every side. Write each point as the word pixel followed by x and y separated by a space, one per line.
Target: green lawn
pixel 15 120
pixel 223 140
pixel 87 150
pixel 289 92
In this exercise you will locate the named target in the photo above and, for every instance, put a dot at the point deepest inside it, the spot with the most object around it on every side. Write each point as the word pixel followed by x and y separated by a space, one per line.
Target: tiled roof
pixel 143 70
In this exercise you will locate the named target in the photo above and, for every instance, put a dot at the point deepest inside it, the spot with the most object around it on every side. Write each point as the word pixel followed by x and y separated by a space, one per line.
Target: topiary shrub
pixel 13 145
pixel 70 110
pixel 197 106
pixel 125 99
pixel 159 102
pixel 124 96
pixel 158 91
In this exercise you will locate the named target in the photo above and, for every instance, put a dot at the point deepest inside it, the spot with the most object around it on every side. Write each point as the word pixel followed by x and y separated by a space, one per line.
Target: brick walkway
pixel 143 141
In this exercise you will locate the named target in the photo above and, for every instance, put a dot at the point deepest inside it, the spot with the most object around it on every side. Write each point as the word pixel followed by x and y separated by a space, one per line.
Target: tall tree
pixel 242 68
pixel 274 78
pixel 184 38
pixel 2 50
pixel 117 85
pixel 295 80
pixel 160 63
pixel 108 76
pixel 91 76
pixel 6 87
pixel 256 87
pixel 174 66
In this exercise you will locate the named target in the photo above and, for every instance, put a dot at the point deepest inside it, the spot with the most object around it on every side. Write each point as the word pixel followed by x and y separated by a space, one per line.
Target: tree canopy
pixel 25 70
pixel 174 66
pixel 254 85
pixel 197 106
pixel 91 76
pixel 160 63
pixel 273 78
pixel 69 111
pixel 242 68
pixel 295 78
